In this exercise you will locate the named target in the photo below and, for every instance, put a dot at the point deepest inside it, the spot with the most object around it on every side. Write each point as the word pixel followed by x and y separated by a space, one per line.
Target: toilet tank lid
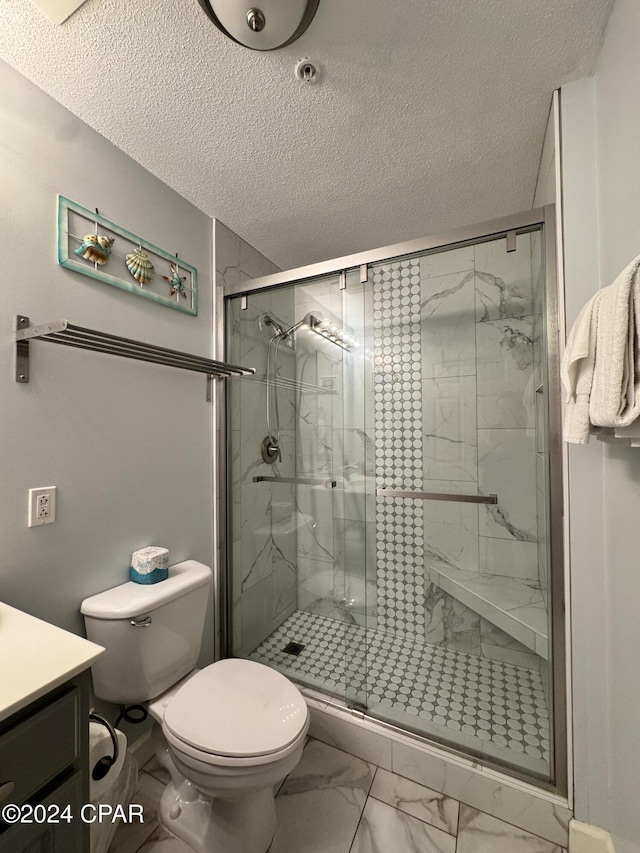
pixel 132 599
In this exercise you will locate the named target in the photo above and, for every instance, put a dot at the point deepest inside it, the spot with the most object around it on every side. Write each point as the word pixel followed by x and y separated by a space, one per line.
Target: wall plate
pixel 42 506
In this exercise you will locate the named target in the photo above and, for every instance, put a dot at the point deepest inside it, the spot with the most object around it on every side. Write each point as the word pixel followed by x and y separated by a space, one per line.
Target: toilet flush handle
pixel 142 623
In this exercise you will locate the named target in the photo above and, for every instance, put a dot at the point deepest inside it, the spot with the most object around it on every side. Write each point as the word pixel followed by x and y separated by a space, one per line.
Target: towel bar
pixel 64 332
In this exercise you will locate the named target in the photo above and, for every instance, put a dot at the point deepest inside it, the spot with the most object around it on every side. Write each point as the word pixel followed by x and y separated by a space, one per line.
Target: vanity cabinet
pixel 44 765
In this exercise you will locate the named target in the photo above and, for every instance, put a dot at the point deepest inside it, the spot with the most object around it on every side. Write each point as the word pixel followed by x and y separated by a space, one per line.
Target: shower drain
pixel 293 648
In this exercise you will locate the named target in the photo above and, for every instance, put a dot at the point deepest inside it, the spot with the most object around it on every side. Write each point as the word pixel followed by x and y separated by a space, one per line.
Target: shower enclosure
pixel 394 493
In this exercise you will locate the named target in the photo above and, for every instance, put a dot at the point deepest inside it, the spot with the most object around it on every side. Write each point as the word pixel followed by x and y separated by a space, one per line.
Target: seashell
pixel 139 266
pixel 95 248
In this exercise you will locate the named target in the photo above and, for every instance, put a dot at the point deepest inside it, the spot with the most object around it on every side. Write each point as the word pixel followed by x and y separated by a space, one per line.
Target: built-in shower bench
pixel 515 606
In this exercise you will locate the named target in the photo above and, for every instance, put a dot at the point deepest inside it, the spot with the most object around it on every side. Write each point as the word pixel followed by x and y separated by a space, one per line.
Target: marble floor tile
pixel 320 804
pixel 384 829
pixel 161 841
pixel 130 837
pixel 416 800
pixel 323 807
pixel 480 833
pixel 155 769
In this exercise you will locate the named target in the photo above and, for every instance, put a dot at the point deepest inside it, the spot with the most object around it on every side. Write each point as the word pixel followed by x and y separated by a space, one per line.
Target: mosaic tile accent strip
pixel 398 446
pixel 462 695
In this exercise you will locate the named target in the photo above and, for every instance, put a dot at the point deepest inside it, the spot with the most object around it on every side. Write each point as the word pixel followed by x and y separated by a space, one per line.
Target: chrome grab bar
pixel 438 496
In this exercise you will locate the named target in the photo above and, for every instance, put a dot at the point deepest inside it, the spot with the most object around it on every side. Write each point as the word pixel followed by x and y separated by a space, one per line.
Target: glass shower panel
pixel 355 526
pixel 428 608
pixel 262 525
pixel 460 651
pixel 298 549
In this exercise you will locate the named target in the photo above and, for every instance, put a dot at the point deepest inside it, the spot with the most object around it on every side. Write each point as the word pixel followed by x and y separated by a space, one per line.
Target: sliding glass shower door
pixel 390 501
pixel 461 552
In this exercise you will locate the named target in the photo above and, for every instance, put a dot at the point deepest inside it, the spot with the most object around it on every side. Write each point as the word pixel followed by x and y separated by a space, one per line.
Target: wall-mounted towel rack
pixel 64 332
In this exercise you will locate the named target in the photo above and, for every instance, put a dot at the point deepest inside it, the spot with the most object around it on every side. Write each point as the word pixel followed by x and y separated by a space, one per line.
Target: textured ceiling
pixel 430 114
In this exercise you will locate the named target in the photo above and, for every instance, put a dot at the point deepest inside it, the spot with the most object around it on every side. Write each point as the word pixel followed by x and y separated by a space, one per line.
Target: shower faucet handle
pixel 270 450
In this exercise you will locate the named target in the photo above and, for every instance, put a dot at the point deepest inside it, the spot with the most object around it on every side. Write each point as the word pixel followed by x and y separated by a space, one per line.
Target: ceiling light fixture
pixel 272 24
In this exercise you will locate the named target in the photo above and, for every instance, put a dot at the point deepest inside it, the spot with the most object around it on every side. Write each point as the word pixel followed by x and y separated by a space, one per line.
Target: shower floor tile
pixel 488 706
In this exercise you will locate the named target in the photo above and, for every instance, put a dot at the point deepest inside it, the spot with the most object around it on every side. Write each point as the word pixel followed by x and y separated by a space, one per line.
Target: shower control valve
pixel 270 450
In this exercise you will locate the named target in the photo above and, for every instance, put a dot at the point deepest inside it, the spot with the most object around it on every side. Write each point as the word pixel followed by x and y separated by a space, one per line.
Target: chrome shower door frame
pixel 543 219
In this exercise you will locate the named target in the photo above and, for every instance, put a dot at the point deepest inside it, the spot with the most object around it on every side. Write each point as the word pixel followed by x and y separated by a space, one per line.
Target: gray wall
pixel 127 444
pixel 601 185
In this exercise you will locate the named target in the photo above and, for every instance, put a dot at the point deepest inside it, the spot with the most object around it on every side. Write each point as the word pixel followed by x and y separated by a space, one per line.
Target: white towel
pixel 631 433
pixel 615 391
pixel 576 371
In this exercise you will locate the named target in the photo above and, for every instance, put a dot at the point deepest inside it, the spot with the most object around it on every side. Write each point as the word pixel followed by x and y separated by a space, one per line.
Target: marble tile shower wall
pixel 473 431
pixel 336 535
pixel 264 532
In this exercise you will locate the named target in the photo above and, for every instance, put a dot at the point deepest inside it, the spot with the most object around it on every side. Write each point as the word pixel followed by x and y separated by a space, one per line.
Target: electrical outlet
pixel 42 506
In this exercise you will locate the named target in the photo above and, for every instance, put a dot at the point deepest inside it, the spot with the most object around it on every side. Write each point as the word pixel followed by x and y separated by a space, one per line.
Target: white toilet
pixel 233 730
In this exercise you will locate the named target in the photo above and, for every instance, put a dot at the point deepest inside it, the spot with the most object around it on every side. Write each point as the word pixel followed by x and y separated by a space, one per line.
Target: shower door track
pixel 520 223
pixel 544 219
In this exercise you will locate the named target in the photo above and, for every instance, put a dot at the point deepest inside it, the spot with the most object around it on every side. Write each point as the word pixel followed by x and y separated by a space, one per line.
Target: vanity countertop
pixel 36 657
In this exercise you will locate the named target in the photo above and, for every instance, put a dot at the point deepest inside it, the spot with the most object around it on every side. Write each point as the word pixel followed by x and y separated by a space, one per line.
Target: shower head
pixel 268 320
pixel 329 331
pixel 280 332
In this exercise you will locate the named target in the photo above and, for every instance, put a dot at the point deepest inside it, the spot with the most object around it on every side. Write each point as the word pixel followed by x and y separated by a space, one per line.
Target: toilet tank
pixel 152 633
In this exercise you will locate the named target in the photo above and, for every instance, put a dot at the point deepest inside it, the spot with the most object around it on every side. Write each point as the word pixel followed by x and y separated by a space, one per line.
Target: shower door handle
pixel 437 496
pixel 304 481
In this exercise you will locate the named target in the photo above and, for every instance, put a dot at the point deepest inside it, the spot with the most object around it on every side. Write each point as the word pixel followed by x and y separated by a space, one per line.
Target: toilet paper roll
pixel 100 744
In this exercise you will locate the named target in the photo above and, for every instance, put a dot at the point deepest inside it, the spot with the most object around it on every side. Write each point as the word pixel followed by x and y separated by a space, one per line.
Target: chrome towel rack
pixel 65 333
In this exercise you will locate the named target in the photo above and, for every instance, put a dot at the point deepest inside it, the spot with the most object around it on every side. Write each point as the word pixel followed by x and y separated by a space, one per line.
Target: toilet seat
pixel 236 712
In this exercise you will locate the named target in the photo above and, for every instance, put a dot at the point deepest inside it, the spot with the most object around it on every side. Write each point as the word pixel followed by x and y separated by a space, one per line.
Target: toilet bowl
pixel 232 732
pixel 228 733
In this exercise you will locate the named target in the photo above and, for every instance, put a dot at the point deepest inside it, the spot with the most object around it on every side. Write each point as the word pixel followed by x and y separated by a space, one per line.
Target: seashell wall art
pixel 92 245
